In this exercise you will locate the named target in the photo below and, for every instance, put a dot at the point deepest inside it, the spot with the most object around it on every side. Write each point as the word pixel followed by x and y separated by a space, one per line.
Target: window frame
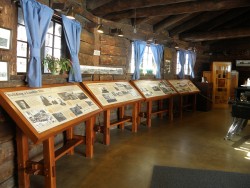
pixel 64 52
pixel 187 71
pixel 145 63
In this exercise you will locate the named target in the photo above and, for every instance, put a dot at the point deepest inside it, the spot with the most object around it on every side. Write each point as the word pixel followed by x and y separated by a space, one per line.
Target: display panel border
pixel 114 105
pixel 27 127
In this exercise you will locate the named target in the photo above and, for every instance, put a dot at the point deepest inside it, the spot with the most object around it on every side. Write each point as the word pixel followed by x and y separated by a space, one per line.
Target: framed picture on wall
pixel 5 38
pixel 4 74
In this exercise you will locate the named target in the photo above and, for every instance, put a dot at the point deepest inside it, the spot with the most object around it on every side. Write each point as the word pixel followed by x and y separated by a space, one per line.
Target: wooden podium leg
pixel 69 136
pixel 138 116
pixel 90 137
pixel 194 103
pixel 121 115
pixel 170 109
pixel 160 107
pixel 106 137
pixel 181 105
pixel 49 163
pixel 134 117
pixel 149 111
pixel 22 157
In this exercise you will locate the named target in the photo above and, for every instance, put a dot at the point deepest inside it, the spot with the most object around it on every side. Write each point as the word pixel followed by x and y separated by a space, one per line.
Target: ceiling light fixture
pixel 135 30
pixel 70 13
pixel 116 31
pixel 100 28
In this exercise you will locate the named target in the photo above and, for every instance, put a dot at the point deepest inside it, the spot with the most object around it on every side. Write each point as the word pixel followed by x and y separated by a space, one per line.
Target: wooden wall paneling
pixel 8 19
pixel 87 37
pixel 113 60
pixel 86 48
pixel 114 41
pixel 113 50
pixel 106 77
pixel 85 59
pixel 6 170
pixel 7 151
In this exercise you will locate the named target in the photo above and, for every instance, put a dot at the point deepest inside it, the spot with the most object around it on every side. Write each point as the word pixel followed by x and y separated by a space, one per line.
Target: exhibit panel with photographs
pixel 108 93
pixel 154 88
pixel 184 86
pixel 46 108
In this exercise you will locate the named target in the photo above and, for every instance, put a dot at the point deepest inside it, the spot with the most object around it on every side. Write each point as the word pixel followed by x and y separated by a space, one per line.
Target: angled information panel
pixel 44 111
pixel 113 93
pixel 154 88
pixel 184 86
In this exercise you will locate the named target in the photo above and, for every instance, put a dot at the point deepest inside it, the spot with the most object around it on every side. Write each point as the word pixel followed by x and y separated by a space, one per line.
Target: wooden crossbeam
pixel 204 17
pixel 120 5
pixel 180 8
pixel 216 35
pixel 168 22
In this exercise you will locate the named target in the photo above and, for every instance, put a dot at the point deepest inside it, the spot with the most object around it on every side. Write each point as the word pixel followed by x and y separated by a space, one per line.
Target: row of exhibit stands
pixel 42 113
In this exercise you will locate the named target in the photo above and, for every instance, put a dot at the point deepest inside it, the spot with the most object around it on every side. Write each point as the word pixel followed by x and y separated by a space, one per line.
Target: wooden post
pixel 194 103
pixel 138 117
pixel 69 136
pixel 49 162
pixel 170 109
pixel 181 105
pixel 22 157
pixel 90 137
pixel 134 117
pixel 149 111
pixel 121 115
pixel 106 137
pixel 160 107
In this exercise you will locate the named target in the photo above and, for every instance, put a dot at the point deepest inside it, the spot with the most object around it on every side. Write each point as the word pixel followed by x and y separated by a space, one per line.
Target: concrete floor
pixel 196 141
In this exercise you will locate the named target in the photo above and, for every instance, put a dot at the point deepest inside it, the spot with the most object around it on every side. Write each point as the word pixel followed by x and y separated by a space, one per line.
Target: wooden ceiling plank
pixel 180 8
pixel 120 5
pixel 168 22
pixel 94 4
pixel 229 15
pixel 204 17
pixel 235 22
pixel 216 35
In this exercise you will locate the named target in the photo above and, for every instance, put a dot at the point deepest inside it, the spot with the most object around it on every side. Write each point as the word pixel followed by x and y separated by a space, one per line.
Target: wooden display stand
pixel 185 88
pixel 221 84
pixel 115 94
pixel 42 113
pixel 155 90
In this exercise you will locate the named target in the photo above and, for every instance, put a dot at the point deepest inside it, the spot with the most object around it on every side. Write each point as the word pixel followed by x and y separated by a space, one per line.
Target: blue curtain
pixel 36 18
pixel 139 47
pixel 157 51
pixel 182 54
pixel 72 30
pixel 191 62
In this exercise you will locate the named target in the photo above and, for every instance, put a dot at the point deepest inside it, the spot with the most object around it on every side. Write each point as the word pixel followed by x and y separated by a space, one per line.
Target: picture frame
pixel 5 38
pixel 4 73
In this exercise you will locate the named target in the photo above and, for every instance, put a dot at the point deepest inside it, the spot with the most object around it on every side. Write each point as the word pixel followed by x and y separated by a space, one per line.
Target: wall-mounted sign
pixel 100 70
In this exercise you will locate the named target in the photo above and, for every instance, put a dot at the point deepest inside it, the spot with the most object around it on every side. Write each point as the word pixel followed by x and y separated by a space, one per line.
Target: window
pixel 53 42
pixel 53 45
pixel 148 65
pixel 22 44
pixel 187 70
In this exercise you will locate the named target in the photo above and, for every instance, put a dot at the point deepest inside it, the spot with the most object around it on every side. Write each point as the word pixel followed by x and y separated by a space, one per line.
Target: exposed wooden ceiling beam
pixel 139 21
pixel 216 35
pixel 204 17
pixel 93 4
pixel 223 19
pixel 120 5
pixel 235 22
pixel 181 8
pixel 168 22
